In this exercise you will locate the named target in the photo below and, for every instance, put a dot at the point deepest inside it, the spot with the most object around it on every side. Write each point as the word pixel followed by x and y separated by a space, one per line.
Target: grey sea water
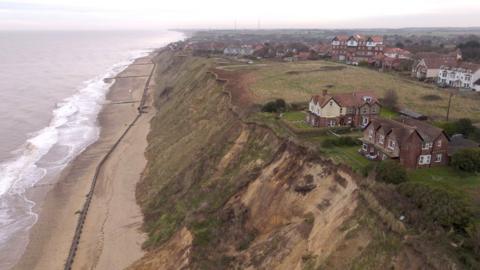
pixel 51 91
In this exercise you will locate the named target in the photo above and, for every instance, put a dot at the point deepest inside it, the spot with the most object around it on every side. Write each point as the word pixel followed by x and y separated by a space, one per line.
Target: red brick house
pixel 357 48
pixel 415 144
pixel 354 109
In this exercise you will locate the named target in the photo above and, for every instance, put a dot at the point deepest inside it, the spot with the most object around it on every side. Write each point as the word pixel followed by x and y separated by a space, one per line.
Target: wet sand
pixel 111 237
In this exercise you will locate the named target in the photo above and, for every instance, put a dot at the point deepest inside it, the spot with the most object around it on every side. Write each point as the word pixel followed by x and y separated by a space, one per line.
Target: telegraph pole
pixel 449 104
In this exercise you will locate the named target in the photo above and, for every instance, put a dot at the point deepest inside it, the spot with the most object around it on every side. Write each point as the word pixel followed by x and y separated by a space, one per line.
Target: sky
pixel 222 14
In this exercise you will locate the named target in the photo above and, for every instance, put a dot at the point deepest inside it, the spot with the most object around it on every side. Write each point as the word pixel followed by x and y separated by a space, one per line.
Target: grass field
pixel 297 81
pixel 465 184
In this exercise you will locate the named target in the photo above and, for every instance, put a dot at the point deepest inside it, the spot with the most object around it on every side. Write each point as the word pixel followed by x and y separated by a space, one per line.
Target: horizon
pixel 214 14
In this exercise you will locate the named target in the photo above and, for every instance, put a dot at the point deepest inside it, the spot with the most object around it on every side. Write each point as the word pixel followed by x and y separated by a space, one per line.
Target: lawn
pixel 294 116
pixel 446 177
pixel 466 185
pixel 387 113
pixel 347 155
pixel 296 82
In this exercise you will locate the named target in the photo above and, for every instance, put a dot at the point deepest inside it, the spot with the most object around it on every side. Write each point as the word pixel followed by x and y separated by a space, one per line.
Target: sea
pixel 52 89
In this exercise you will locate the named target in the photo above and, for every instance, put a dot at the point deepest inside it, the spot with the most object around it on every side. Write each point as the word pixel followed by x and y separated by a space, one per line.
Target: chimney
pixel 324 92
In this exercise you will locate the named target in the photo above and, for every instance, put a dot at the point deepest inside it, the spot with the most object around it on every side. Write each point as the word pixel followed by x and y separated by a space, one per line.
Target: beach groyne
pixel 99 168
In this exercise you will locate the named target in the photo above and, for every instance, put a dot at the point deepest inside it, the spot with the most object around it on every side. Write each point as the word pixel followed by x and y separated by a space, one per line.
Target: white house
pixel 427 67
pixel 463 75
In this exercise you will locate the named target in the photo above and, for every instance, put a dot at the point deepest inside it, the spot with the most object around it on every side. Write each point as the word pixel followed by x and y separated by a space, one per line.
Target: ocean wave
pixel 72 129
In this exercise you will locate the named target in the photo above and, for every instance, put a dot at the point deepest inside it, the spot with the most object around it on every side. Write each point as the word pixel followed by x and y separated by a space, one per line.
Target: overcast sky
pixel 154 14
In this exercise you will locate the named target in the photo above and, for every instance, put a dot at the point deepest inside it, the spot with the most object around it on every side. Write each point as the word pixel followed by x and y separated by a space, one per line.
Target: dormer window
pixel 367 99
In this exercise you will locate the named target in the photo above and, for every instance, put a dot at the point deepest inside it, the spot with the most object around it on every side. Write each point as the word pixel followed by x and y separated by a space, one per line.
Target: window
pixel 370 134
pixel 341 110
pixel 391 144
pixel 424 159
pixel 438 158
pixel 426 146
pixel 381 139
pixel 331 103
pixel 439 143
pixel 364 147
pixel 444 73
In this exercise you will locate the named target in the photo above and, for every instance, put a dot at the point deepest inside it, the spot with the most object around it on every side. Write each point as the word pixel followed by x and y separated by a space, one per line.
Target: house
pixel 348 109
pixel 427 66
pixel 394 58
pixel 244 50
pixel 415 144
pixel 460 75
pixel 357 48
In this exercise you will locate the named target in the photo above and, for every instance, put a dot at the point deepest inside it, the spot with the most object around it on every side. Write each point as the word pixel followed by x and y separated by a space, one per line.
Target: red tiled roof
pixel 342 37
pixel 377 38
pixel 404 127
pixel 353 99
pixel 436 60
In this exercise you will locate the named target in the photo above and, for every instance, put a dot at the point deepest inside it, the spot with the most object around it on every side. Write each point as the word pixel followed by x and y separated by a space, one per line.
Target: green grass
pixel 347 155
pixel 296 82
pixel 446 177
pixel 467 185
pixel 294 116
pixel 387 113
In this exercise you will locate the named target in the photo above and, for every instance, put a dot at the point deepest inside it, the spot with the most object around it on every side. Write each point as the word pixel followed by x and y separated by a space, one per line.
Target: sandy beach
pixel 111 237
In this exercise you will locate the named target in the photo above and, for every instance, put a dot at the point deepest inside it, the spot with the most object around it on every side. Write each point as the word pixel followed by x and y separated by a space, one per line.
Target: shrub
pixel 340 141
pixel 365 171
pixel 390 100
pixel 462 126
pixel 276 106
pixel 467 160
pixel 438 206
pixel 391 172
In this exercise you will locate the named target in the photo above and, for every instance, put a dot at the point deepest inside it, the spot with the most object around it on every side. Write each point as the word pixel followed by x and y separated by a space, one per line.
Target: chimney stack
pixel 324 92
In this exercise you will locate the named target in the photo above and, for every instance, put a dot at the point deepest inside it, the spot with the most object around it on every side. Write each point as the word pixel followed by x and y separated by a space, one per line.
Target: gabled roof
pixel 341 37
pixel 353 99
pixel 427 132
pixel 401 131
pixel 404 127
pixel 477 82
pixel 435 60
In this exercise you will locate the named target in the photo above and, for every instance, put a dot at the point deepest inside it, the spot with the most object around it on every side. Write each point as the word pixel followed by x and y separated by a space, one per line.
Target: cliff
pixel 220 192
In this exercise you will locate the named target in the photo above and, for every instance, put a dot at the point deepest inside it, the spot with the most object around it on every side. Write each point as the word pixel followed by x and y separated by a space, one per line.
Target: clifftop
pixel 221 192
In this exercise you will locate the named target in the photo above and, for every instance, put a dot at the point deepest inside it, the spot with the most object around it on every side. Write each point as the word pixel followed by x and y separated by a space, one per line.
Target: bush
pixel 467 160
pixel 438 206
pixel 340 141
pixel 391 172
pixel 276 106
pixel 462 126
pixel 390 100
pixel 365 171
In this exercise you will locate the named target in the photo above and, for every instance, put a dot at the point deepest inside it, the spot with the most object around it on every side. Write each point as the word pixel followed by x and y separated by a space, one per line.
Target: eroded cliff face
pixel 221 193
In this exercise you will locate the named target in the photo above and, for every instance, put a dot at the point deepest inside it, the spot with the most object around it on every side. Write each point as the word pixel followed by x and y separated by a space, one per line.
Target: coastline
pixel 111 234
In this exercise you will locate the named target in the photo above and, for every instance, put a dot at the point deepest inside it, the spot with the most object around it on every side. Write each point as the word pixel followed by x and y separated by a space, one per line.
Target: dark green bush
pixel 365 171
pixel 391 172
pixel 277 106
pixel 438 206
pixel 461 126
pixel 340 141
pixel 467 160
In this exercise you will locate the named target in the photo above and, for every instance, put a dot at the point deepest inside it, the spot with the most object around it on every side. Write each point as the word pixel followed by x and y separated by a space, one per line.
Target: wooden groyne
pixel 83 214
